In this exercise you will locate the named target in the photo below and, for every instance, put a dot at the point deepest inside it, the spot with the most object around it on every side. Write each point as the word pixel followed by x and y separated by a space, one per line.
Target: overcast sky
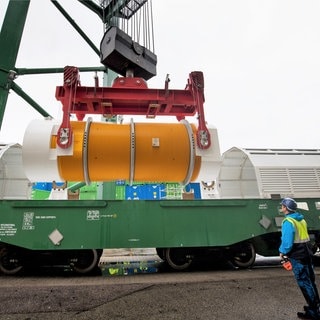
pixel 260 59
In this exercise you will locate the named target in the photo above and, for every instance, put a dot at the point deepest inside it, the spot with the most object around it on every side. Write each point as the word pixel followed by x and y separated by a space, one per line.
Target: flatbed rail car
pixel 181 230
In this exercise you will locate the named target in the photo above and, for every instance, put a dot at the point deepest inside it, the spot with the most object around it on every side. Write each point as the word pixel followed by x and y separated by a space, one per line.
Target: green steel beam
pixel 83 35
pixel 114 9
pixel 10 38
pixel 93 7
pixel 24 71
pixel 28 99
pixel 11 76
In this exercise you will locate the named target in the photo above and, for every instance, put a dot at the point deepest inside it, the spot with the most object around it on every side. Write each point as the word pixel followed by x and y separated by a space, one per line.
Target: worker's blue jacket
pixel 295 239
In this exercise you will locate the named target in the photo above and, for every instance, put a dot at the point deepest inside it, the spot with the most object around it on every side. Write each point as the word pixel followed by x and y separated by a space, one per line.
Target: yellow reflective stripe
pixel 301 235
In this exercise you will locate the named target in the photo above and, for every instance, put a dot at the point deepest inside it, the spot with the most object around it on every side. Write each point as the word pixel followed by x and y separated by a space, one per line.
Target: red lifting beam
pixel 130 96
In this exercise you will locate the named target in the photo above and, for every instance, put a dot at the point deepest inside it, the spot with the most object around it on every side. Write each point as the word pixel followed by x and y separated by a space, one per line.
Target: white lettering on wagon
pixel 27 223
pixel 45 217
pixel 93 215
pixel 8 229
pixel 108 215
pixel 263 206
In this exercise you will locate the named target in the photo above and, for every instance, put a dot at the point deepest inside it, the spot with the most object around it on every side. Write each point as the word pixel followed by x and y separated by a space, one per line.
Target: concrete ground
pixel 264 293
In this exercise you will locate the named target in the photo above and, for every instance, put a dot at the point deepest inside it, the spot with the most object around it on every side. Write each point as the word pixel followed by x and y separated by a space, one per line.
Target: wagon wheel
pixel 85 261
pixel 243 255
pixel 178 258
pixel 10 262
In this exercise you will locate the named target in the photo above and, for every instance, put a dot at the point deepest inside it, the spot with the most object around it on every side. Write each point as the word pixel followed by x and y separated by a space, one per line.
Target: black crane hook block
pixel 120 53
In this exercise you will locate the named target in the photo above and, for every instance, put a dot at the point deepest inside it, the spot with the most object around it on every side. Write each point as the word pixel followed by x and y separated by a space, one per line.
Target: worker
pixel 296 246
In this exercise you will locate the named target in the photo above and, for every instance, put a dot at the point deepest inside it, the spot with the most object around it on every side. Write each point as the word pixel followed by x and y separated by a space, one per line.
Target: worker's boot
pixel 305 315
pixel 308 314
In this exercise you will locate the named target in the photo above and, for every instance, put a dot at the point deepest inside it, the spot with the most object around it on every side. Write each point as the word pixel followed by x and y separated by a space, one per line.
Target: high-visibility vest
pixel 301 235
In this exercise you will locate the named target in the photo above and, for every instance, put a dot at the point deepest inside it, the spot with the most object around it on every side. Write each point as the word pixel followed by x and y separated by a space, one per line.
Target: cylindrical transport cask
pixel 157 152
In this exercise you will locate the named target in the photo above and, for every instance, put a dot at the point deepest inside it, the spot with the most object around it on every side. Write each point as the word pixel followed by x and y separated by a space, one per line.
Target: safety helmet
pixel 290 204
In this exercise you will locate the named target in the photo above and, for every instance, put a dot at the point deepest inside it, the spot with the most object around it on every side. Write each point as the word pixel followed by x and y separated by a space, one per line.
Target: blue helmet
pixel 290 204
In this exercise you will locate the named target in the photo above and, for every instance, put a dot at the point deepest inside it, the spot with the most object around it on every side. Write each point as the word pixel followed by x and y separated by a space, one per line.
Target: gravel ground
pixel 261 293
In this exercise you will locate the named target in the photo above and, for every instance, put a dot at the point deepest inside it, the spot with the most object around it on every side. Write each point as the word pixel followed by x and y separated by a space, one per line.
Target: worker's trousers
pixel 305 278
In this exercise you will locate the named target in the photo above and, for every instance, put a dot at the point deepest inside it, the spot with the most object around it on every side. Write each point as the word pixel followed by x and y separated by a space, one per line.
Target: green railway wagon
pixel 76 232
